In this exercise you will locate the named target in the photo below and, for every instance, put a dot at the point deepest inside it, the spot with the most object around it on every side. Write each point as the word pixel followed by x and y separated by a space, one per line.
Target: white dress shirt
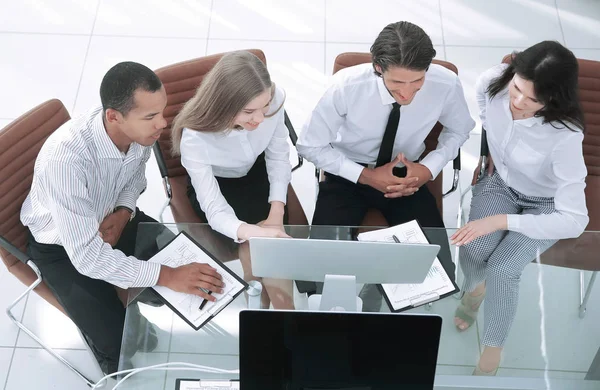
pixel 348 123
pixel 231 154
pixel 535 159
pixel 79 178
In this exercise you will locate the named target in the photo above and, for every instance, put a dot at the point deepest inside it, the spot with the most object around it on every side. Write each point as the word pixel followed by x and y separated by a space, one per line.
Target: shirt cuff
pixel 435 163
pixel 513 222
pixel 278 192
pixel 127 198
pixel 350 170
pixel 147 275
pixel 232 229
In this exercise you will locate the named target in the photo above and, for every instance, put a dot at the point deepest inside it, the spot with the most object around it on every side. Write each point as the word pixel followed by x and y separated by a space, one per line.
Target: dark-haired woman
pixel 532 192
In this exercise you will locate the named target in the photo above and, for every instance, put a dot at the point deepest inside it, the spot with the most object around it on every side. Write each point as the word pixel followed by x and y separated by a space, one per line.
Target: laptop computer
pixel 313 259
pixel 296 350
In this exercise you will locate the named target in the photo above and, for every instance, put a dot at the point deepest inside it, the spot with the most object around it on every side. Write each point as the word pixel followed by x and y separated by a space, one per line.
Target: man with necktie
pixel 368 130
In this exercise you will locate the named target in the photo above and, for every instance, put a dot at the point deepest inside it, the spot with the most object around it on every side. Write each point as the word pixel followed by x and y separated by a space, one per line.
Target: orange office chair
pixel 20 143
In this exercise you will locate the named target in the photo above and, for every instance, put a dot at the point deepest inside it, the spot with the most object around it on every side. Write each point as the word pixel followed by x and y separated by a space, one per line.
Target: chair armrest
pixel 485 151
pixel 456 162
pixel 13 250
pixel 456 176
pixel 293 138
pixel 160 160
pixel 162 167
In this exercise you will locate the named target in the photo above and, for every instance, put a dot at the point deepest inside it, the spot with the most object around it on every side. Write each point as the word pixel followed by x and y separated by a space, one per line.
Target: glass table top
pixel 549 346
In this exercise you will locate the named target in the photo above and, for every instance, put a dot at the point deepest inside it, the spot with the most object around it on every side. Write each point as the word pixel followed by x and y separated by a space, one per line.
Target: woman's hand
pixel 275 218
pixel 274 223
pixel 246 231
pixel 489 169
pixel 478 228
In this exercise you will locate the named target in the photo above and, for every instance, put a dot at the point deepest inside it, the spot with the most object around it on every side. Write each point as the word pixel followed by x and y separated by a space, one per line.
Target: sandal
pixel 468 309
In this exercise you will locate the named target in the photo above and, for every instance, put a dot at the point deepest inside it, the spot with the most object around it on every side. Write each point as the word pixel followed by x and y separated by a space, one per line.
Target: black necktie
pixel 387 143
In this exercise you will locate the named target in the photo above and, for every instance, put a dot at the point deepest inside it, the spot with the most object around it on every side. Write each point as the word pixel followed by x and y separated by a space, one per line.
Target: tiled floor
pixel 61 49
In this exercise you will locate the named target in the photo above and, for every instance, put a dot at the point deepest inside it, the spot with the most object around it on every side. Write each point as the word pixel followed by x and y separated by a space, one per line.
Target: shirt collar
pixel 529 122
pixel 105 146
pixel 384 94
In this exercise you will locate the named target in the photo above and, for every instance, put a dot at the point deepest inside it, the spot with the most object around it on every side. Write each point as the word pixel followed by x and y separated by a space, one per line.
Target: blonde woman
pixel 233 143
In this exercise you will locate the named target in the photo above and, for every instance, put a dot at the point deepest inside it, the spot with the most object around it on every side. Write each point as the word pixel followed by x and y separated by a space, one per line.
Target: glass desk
pixel 549 346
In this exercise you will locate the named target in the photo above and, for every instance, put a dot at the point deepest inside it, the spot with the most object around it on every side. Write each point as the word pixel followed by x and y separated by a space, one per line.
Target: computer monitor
pixel 351 351
pixel 340 264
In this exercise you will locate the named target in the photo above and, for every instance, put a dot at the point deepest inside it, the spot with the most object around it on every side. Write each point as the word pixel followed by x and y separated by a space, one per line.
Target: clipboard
pixel 423 298
pixel 220 268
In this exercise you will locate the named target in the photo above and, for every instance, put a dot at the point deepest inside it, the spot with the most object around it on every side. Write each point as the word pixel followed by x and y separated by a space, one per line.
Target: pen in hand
pixel 396 240
pixel 205 301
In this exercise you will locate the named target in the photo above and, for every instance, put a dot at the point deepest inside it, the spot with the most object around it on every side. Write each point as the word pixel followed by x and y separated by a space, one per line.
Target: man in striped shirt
pixel 82 214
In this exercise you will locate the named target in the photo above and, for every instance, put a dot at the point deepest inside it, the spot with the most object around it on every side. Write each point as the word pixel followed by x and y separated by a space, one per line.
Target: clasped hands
pixel 383 179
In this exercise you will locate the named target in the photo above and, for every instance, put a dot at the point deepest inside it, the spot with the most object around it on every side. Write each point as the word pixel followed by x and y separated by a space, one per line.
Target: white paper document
pixel 183 251
pixel 437 282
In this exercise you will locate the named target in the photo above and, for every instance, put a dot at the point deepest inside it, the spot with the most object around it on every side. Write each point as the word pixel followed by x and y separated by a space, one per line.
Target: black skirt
pixel 247 195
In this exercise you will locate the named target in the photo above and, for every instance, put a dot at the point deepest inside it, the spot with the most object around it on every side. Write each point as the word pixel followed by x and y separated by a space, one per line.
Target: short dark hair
pixel 554 71
pixel 402 44
pixel 120 83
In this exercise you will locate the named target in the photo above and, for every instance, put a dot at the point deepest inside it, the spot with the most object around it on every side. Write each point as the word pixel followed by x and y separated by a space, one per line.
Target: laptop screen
pixel 294 350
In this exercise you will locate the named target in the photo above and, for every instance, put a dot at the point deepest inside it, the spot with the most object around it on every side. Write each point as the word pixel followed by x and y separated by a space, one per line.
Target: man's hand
pixel 383 177
pixel 112 226
pixel 478 228
pixel 190 278
pixel 490 169
pixel 246 231
pixel 416 174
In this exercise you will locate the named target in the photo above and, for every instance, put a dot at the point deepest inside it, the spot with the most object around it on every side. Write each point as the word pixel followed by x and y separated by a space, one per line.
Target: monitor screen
pixel 294 350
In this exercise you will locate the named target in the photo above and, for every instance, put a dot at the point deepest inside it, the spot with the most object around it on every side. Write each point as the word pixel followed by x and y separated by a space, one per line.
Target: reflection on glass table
pixel 549 345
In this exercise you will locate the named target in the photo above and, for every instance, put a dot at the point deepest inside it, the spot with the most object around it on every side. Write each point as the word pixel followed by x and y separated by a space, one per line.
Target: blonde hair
pixel 233 82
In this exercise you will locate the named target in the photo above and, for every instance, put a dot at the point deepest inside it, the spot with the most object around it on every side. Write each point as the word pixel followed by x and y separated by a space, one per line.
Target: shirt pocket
pixel 526 160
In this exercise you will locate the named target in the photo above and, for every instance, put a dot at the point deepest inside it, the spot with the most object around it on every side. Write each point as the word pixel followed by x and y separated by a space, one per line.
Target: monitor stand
pixel 339 294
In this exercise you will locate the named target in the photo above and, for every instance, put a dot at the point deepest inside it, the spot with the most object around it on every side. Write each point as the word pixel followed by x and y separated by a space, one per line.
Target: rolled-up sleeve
pixel 73 215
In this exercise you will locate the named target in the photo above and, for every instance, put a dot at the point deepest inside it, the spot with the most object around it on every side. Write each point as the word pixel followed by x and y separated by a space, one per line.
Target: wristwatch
pixel 131 212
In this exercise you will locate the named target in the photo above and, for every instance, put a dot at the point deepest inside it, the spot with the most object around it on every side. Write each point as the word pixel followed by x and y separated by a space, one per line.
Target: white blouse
pixel 232 154
pixel 535 159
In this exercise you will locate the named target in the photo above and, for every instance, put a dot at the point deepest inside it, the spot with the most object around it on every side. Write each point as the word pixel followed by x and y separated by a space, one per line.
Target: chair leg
pixel 162 210
pixel 584 293
pixel 460 221
pixel 33 336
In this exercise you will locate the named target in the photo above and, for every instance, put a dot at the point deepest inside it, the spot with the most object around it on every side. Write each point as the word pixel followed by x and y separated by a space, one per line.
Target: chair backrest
pixel 346 60
pixel 20 143
pixel 589 94
pixel 181 81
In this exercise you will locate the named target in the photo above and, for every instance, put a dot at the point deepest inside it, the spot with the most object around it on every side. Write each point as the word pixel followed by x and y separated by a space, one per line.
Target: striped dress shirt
pixel 79 178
